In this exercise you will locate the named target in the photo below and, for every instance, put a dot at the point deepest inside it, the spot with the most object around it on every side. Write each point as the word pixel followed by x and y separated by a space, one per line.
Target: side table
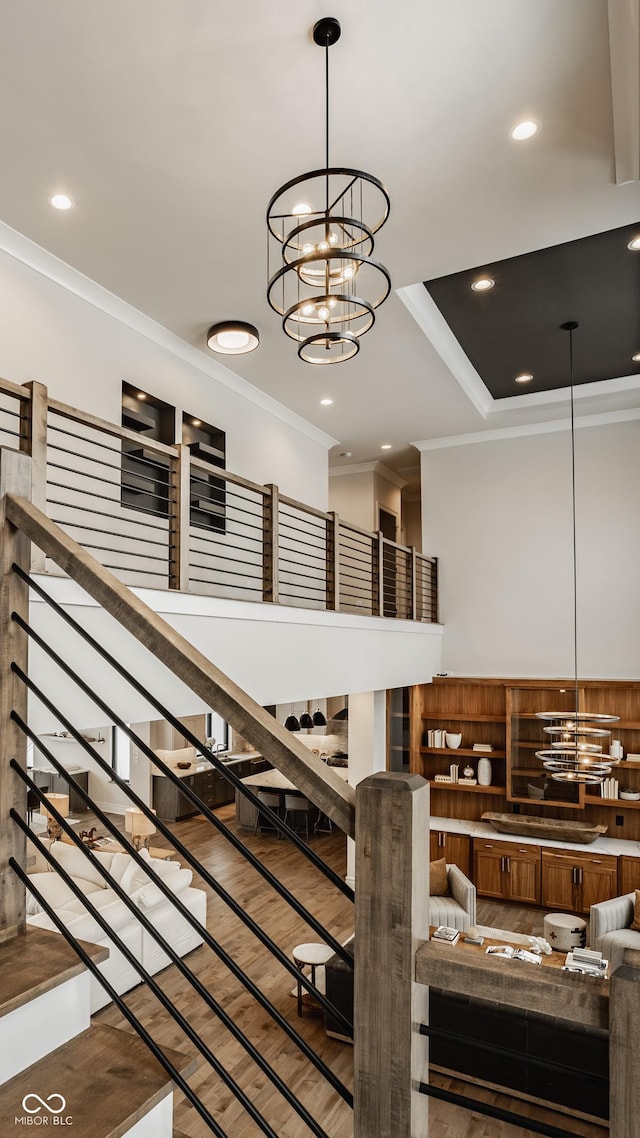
pixel 309 956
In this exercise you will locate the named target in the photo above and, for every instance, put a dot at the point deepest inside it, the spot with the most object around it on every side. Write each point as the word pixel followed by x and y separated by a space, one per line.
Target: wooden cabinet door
pixel 599 881
pixel 489 878
pixel 628 874
pixel 455 848
pixel 523 869
pixel 559 882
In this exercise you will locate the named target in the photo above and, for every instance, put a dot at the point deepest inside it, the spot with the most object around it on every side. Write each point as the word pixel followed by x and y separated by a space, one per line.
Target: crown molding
pixel 550 427
pixel 35 257
pixel 375 467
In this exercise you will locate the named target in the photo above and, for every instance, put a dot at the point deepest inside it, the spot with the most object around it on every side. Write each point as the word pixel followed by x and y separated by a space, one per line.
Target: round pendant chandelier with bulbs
pixel 574 754
pixel 322 277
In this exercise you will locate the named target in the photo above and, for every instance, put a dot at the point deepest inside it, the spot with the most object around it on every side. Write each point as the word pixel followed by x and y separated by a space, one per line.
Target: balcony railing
pixel 159 516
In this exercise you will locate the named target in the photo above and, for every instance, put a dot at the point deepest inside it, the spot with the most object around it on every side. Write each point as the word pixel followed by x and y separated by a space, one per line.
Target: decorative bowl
pixel 630 795
pixel 453 739
pixel 184 766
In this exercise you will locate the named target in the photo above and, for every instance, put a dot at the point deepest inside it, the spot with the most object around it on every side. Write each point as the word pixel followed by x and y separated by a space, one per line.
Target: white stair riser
pixel 33 1030
pixel 158 1123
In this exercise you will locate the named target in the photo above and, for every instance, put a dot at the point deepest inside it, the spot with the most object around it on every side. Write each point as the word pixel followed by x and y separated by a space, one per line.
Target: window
pixel 120 753
pixel 218 729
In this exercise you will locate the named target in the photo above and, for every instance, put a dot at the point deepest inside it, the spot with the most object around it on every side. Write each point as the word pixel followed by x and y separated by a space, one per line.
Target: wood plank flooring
pixel 335 911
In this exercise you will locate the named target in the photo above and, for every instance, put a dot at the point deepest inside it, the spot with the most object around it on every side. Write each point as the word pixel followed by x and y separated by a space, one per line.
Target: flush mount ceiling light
pixel 574 755
pixel 483 284
pixel 233 337
pixel 523 130
pixel 636 358
pixel 322 277
pixel 634 244
pixel 61 201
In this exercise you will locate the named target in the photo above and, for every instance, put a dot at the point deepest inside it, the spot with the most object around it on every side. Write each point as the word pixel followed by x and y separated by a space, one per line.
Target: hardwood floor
pixel 287 930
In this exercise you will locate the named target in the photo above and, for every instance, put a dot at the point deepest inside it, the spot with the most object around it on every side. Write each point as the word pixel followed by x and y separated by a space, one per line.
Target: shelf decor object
pixel 322 277
pixel 575 755
pixel 528 826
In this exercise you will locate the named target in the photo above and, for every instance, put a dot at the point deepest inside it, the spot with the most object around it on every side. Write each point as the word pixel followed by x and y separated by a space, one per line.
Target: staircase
pixel 56 1068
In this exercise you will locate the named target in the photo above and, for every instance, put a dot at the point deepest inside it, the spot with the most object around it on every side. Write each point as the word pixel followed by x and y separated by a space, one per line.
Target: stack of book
pixel 446 934
pixel 609 788
pixel 436 738
pixel 486 748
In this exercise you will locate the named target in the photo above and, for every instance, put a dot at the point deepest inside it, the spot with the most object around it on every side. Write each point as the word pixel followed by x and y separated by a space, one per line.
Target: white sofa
pixel 178 933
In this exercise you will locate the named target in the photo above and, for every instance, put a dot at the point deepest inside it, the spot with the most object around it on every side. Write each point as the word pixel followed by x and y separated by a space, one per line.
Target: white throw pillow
pixel 149 897
pixel 77 864
pixel 133 878
pixel 159 866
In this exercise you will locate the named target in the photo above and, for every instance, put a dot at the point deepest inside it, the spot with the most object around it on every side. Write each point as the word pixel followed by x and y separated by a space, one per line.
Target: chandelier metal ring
pixel 325 341
pixel 298 327
pixel 292 267
pixel 322 175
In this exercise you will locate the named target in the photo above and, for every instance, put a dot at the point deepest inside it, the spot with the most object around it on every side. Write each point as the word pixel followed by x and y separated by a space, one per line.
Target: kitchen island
pixel 271 780
pixel 202 777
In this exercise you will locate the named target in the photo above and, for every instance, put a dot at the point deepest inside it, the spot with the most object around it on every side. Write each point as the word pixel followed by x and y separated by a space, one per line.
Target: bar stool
pixel 272 801
pixel 309 956
pixel 297 804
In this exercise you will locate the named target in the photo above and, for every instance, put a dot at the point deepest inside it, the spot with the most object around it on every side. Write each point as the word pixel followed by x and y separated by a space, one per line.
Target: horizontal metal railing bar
pixel 230 506
pixel 364 578
pixel 353 559
pixel 302 571
pixel 306 526
pixel 315 589
pixel 356 540
pixel 103 461
pixel 126 552
pixel 183 850
pixel 12 434
pixel 102 425
pixel 478 1107
pixel 357 598
pixel 309 555
pixel 198 536
pixel 225 557
pixel 387 543
pixel 119 485
pixel 287 540
pixel 304 508
pixel 351 527
pixel 14 414
pixel 114 533
pixel 103 514
pixel 51 426
pixel 188 735
pixel 140 1030
pixel 174 956
pixel 257 576
pixel 512 1056
pixel 102 497
pixel 222 585
pixel 304 518
pixel 227 476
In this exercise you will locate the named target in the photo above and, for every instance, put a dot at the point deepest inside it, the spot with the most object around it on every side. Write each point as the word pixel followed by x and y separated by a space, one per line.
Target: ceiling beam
pixel 624 54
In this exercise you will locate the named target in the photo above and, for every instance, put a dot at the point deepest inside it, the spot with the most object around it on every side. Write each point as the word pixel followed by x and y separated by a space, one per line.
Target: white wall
pixel 352 497
pixel 498 517
pixel 63 330
pixel 277 655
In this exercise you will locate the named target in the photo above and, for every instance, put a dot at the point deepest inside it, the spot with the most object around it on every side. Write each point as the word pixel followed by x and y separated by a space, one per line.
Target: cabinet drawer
pixel 488 845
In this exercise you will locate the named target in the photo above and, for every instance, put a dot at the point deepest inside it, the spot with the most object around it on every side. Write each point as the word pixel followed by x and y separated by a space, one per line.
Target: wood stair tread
pixel 108 1078
pixel 37 961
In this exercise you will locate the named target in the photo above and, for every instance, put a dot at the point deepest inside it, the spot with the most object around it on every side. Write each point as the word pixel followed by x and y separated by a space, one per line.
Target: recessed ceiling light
pixel 141 395
pixel 326 402
pixel 482 284
pixel 61 201
pixel 346 453
pixel 525 129
pixel 524 377
pixel 196 422
pixel 634 244
pixel 636 358
pixel 233 337
pixel 386 446
pixel 300 208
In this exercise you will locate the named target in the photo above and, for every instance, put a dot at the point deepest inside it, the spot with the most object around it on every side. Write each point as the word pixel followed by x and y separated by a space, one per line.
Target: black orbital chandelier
pixel 323 279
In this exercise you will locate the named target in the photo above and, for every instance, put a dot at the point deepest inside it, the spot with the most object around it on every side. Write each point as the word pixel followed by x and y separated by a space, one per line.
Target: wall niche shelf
pixel 466 751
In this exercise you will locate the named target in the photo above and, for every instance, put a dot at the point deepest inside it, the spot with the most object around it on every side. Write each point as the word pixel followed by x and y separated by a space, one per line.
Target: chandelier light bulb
pixel 323 312
pixel 308 247
pixel 333 239
pixel 307 310
pixel 300 209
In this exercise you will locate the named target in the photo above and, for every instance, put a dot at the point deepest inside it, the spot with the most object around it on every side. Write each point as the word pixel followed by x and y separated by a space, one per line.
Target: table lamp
pixel 61 804
pixel 139 826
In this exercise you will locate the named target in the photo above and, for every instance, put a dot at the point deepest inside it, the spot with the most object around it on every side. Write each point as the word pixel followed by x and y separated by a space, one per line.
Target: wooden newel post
pixel 15 478
pixel 271 545
pixel 392 920
pixel 179 518
pixel 35 443
pixel 624 1031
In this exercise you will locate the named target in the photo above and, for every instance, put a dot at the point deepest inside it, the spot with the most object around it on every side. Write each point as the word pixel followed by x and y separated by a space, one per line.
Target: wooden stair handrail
pixel 309 774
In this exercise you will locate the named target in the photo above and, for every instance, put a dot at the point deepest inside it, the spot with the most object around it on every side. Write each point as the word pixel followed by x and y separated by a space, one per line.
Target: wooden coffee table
pixel 552 960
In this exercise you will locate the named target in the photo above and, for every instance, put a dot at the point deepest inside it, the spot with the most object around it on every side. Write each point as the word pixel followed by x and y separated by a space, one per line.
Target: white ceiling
pixel 172 123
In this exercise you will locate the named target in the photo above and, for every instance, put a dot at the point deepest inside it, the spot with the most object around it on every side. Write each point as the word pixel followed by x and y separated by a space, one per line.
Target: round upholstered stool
pixel 564 931
pixel 311 956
